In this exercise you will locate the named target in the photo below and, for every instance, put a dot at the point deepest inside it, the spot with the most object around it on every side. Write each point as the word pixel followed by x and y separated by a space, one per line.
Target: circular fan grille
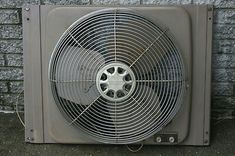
pixel 89 70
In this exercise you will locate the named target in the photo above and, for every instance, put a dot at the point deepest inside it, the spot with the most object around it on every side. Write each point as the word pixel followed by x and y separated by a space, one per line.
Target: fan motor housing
pixel 117 75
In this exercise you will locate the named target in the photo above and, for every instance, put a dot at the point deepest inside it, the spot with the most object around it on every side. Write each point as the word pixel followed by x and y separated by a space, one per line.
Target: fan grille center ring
pixel 115 81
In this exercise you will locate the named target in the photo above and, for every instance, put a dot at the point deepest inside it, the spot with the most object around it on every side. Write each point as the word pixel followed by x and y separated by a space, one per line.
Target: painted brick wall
pixel 11 51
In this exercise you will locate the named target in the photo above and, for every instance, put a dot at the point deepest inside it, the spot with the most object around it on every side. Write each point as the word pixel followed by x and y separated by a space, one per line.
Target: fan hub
pixel 115 81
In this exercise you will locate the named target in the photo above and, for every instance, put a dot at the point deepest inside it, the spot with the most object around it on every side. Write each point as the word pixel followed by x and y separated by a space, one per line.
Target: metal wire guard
pixel 117 36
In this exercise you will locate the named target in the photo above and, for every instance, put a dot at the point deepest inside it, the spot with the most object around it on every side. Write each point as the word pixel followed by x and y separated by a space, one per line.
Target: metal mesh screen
pixel 148 68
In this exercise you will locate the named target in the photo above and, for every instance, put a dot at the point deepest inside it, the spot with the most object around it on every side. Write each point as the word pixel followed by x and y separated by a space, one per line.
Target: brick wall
pixel 223 89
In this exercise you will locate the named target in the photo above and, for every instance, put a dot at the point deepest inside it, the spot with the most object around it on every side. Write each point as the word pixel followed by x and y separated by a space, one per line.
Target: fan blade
pixel 139 102
pixel 75 74
pixel 162 69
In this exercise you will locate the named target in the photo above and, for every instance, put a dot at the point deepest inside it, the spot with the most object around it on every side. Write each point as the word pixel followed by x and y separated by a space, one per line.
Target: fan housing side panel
pixel 33 107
